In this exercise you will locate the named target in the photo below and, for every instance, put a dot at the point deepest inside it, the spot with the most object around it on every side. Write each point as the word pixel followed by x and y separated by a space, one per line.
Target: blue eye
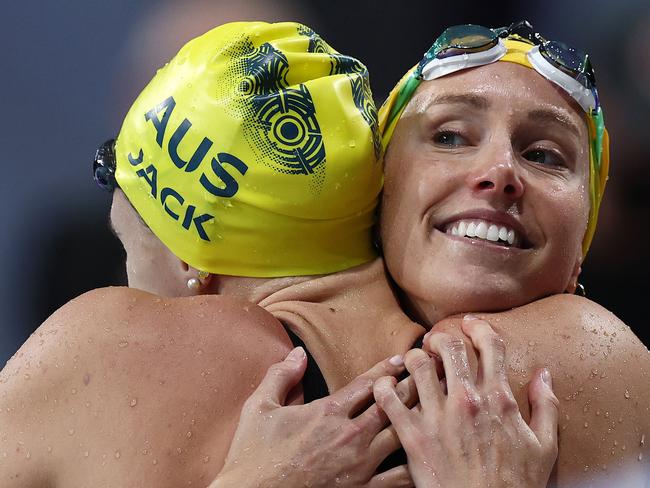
pixel 544 157
pixel 449 138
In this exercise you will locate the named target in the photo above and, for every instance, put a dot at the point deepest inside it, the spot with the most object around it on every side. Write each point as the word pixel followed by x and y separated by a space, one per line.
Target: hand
pixel 474 436
pixel 334 441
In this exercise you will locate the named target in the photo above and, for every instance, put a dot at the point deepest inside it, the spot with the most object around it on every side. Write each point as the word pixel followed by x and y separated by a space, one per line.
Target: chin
pixel 473 296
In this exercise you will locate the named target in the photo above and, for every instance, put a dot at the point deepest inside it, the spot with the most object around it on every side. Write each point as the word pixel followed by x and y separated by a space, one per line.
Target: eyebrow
pixel 552 115
pixel 468 99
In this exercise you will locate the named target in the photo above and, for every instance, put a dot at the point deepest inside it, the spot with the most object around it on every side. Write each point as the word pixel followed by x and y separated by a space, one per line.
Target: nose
pixel 497 178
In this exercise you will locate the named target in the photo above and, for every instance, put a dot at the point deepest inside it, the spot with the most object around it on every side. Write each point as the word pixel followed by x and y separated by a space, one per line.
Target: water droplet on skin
pixel 71 432
pixel 640 458
pixel 145 452
pixel 206 459
pixel 154 462
pixel 189 434
pixel 49 448
pixel 123 344
pixel 179 450
pixel 642 442
pixel 134 402
pixel 28 455
pixel 73 391
pixel 86 454
pixel 586 425
pixel 118 455
pixel 531 343
pixel 627 394
pixel 199 351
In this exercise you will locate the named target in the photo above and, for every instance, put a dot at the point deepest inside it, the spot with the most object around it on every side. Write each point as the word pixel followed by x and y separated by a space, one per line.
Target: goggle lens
pixel 572 61
pixel 461 39
pixel 104 166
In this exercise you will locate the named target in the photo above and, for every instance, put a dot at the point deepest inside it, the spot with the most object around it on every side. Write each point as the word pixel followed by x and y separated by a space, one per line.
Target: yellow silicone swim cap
pixel 254 153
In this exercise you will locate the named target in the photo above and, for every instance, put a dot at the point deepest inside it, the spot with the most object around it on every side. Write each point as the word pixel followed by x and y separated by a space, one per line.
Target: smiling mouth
pixel 479 229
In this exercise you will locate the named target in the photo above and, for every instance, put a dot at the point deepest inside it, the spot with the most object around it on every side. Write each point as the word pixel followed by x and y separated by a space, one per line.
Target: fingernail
pixel 469 316
pixel 546 378
pixel 397 360
pixel 296 354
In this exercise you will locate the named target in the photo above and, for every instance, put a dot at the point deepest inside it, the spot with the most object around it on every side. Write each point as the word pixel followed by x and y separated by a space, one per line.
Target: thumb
pixel 279 380
pixel 544 409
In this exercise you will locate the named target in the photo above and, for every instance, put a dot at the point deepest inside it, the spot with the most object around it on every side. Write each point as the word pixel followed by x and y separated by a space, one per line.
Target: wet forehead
pixel 501 86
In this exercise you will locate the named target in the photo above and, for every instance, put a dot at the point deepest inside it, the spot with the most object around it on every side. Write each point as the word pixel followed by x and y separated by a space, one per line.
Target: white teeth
pixel 493 233
pixel 482 230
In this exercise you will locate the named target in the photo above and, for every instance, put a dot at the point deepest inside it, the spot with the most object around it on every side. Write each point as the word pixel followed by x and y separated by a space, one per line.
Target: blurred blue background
pixel 71 69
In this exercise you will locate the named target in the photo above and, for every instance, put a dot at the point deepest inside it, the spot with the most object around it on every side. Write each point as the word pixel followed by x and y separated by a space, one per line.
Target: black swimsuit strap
pixel 314 387
pixel 313 383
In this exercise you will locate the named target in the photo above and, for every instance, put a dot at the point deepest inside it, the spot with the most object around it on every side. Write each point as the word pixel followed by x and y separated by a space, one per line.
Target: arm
pixel 337 440
pixel 600 375
pixel 470 433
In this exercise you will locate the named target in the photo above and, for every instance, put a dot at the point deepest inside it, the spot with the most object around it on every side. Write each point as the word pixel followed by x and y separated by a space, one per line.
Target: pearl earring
pixel 194 284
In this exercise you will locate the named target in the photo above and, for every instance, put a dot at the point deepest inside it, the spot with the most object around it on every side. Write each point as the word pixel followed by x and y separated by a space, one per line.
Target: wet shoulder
pixel 601 374
pixel 117 373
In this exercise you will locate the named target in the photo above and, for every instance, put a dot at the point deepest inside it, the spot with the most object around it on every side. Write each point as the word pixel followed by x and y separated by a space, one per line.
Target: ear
pixel 196 281
pixel 573 281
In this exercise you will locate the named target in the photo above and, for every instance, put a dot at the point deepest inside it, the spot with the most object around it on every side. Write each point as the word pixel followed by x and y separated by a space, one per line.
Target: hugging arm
pixel 474 435
pixel 337 440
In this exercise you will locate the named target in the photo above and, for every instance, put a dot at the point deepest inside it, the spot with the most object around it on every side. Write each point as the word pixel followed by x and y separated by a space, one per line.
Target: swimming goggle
pixel 467 46
pixel 104 166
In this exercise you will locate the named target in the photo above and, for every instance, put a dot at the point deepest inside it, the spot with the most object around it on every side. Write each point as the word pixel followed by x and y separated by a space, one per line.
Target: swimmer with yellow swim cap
pixel 161 381
pixel 254 153
pixel 496 161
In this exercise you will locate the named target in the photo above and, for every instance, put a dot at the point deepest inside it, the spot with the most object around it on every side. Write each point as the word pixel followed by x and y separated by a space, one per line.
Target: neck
pixel 253 289
pixel 423 312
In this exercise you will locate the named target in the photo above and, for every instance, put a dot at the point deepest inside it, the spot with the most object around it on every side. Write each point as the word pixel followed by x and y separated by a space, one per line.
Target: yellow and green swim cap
pixel 514 49
pixel 254 152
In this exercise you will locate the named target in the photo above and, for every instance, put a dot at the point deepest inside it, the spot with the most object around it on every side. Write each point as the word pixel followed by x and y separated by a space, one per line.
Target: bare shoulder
pixel 117 373
pixel 601 373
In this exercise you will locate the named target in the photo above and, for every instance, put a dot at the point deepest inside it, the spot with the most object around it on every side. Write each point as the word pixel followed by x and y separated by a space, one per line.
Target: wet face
pixel 150 266
pixel 485 201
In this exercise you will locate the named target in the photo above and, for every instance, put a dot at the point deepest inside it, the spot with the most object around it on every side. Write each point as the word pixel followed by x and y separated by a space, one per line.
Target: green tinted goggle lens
pixel 463 38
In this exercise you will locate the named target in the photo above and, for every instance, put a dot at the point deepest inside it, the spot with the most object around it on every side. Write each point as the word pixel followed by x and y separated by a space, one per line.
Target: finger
pixel 279 380
pixel 358 393
pixel 397 477
pixel 544 410
pixel 453 353
pixel 386 397
pixel 385 443
pixel 374 418
pixel 423 370
pixel 491 348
